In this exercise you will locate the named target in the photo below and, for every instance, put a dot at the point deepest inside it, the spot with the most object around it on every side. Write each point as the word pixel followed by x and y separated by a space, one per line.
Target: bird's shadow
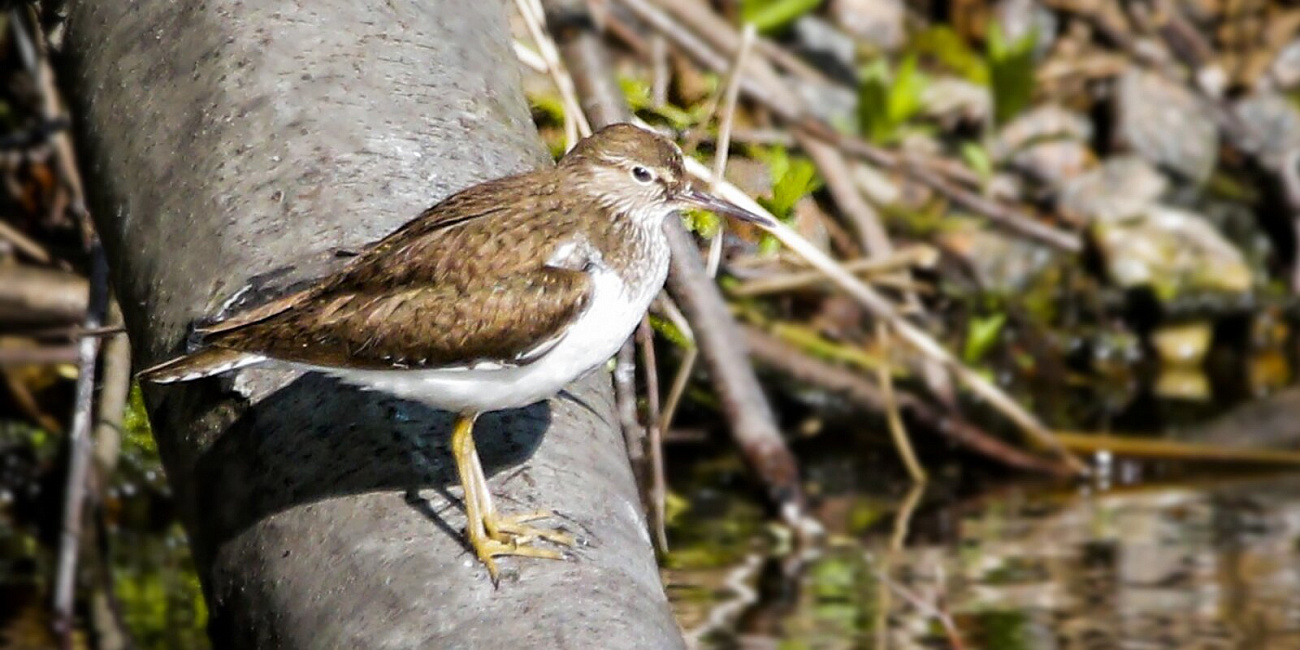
pixel 318 438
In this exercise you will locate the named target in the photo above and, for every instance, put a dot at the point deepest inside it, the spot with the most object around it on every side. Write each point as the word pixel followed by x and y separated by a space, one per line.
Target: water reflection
pixel 1192 565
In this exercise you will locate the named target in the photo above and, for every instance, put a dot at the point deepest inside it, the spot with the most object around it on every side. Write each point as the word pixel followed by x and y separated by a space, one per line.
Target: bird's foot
pixel 514 529
pixel 508 535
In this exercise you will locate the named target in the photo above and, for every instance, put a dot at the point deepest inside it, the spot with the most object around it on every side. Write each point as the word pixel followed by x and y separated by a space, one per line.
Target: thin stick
pixel 916 256
pixel 1174 449
pixel 24 243
pixel 39 356
pixel 681 379
pixel 730 95
pixel 662 74
pixel 896 430
pixel 724 138
pixel 530 58
pixel 658 481
pixel 625 401
pixel 115 388
pixel 535 19
pixel 79 456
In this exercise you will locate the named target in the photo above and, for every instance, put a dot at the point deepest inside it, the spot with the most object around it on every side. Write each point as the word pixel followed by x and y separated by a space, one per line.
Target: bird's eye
pixel 642 175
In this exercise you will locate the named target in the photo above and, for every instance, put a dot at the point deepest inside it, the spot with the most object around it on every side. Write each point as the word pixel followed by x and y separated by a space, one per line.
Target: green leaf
pixel 873 102
pixel 1011 72
pixel 637 93
pixel 770 16
pixel 799 180
pixel 981 334
pixel 979 160
pixel 886 102
pixel 949 50
pixel 549 106
pixel 905 92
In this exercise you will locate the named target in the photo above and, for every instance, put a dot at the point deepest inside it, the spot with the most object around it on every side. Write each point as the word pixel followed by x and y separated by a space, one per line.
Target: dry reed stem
pixel 576 126
pixel 728 112
pixel 914 256
pixel 896 429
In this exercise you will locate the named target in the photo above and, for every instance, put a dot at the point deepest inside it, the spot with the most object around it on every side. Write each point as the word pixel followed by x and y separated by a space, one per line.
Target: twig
pixel 661 74
pixel 52 110
pixel 724 137
pixel 530 58
pixel 730 93
pixel 872 237
pixel 28 246
pixel 30 294
pixel 916 256
pixel 79 456
pixel 625 399
pixel 68 333
pixel 39 356
pixel 658 479
pixel 1174 450
pixel 896 429
pixel 575 119
pixel 114 391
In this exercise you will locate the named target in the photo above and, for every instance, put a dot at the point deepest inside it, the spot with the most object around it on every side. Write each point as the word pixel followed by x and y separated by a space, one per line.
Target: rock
pixel 1182 344
pixel 876 185
pixel 1019 18
pixel 1284 72
pixel 877 22
pixel 1171 251
pixel 833 104
pixel 1123 187
pixel 1181 383
pixel 1047 143
pixel 826 47
pixel 1002 263
pixel 1055 162
pixel 1046 121
pixel 1273 122
pixel 951 99
pixel 1166 124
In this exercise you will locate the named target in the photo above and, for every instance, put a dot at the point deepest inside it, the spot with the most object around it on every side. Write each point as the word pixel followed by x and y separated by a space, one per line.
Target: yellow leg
pixel 490 534
pixel 510 529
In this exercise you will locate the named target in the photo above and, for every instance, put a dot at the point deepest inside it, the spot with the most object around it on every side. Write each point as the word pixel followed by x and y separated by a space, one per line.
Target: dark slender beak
pixel 700 199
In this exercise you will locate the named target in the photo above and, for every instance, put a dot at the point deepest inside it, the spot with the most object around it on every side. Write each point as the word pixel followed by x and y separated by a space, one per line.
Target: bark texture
pixel 228 141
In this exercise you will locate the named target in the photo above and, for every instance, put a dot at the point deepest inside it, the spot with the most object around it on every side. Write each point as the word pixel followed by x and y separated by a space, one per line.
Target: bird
pixel 495 298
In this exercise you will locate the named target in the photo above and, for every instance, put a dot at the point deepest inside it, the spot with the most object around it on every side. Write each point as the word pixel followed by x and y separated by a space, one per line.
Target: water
pixel 1164 564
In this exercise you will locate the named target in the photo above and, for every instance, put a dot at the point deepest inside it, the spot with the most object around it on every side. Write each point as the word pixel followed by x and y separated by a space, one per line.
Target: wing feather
pixel 505 321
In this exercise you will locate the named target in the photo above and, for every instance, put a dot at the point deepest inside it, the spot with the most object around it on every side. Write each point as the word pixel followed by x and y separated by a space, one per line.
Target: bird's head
pixel 640 174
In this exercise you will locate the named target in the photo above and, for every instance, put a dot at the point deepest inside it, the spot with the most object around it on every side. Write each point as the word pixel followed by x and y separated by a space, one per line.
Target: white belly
pixel 594 338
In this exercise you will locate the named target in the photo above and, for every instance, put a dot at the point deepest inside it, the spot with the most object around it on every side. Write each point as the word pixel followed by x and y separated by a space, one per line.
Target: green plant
pixel 1011 72
pixel 770 16
pixel 887 101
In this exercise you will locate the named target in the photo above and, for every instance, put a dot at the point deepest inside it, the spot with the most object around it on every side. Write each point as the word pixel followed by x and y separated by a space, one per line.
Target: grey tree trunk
pixel 228 139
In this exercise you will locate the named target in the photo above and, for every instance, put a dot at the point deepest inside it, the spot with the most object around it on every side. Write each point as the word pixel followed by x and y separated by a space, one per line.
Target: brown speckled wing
pixel 496 320
pixel 465 282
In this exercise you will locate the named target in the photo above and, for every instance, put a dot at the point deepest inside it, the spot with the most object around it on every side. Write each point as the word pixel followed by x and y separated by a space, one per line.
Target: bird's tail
pixel 204 363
